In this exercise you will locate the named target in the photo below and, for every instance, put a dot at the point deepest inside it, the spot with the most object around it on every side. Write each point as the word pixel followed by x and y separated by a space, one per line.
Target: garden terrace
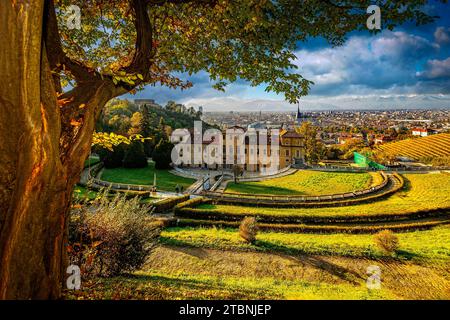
pixel 426 223
pixel 430 244
pixel 387 184
pixel 197 272
pixel 142 178
pixel 422 203
pixel 308 183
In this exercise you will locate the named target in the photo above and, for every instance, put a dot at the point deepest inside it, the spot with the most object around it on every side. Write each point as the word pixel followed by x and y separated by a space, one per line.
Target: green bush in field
pixel 248 229
pixel 162 154
pixel 387 241
pixel 135 156
pixel 112 159
pixel 109 237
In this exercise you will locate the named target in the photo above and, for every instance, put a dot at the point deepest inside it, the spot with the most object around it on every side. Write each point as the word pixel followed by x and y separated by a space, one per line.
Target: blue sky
pixel 407 67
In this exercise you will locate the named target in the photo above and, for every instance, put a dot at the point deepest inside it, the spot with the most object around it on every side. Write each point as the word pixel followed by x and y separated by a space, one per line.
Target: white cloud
pixel 436 69
pixel 365 64
pixel 442 35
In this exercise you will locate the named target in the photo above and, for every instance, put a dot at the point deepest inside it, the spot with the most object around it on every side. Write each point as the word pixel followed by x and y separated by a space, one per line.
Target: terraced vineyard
pixel 437 146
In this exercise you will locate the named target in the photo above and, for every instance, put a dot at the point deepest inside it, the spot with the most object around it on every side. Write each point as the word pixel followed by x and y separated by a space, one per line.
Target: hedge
pixel 168 203
pixel 190 203
pixel 204 214
pixel 302 228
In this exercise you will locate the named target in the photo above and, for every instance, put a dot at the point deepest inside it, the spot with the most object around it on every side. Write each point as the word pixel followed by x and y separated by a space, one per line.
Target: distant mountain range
pixel 380 102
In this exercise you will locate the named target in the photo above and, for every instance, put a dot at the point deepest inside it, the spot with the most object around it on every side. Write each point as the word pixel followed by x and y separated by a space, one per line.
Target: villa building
pixel 290 152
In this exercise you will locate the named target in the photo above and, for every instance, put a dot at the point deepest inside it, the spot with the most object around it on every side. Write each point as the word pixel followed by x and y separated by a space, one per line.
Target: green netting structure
pixel 365 162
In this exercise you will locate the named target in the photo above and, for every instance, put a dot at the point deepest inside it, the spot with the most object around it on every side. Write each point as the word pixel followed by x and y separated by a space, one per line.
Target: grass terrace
pixel 308 182
pixel 165 180
pixel 419 245
pixel 421 192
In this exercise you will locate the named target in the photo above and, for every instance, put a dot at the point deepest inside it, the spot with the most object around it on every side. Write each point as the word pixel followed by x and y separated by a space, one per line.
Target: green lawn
pixel 83 193
pixel 421 192
pixel 80 193
pixel 419 245
pixel 144 176
pixel 91 161
pixel 307 182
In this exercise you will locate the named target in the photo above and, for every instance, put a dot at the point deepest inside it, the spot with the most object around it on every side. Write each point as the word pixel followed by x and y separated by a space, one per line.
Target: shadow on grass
pixel 198 253
pixel 406 255
pixel 295 255
pixel 261 189
pixel 303 257
pixel 199 288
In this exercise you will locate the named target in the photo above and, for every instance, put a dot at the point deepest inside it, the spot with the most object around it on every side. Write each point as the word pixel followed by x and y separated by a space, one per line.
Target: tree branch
pixel 56 55
pixel 143 52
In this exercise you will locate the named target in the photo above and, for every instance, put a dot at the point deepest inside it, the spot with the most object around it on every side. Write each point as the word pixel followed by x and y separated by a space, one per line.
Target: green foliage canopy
pixel 140 42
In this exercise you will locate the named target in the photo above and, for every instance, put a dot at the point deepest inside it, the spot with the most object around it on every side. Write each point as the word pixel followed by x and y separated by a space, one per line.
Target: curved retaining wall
pixel 273 199
pixel 395 183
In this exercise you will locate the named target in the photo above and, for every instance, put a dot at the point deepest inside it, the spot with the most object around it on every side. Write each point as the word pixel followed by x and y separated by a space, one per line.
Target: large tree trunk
pixel 41 156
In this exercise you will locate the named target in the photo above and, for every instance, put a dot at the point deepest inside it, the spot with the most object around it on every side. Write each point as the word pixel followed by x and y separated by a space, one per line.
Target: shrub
pixel 162 154
pixel 387 241
pixel 112 159
pixel 248 229
pixel 111 236
pixel 190 203
pixel 168 203
pixel 135 156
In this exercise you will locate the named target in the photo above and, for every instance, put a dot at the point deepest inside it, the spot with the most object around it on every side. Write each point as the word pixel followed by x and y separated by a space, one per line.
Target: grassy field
pixel 432 146
pixel 421 192
pixel 198 273
pixel 306 182
pixel 144 176
pixel 419 245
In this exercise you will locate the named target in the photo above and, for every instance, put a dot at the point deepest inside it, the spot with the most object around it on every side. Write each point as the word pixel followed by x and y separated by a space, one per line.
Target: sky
pixel 408 67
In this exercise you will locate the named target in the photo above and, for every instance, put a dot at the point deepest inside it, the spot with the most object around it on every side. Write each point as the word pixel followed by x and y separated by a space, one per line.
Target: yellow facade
pixel 290 152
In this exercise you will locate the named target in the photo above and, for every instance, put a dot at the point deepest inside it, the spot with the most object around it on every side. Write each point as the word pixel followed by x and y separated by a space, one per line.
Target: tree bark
pixel 42 152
